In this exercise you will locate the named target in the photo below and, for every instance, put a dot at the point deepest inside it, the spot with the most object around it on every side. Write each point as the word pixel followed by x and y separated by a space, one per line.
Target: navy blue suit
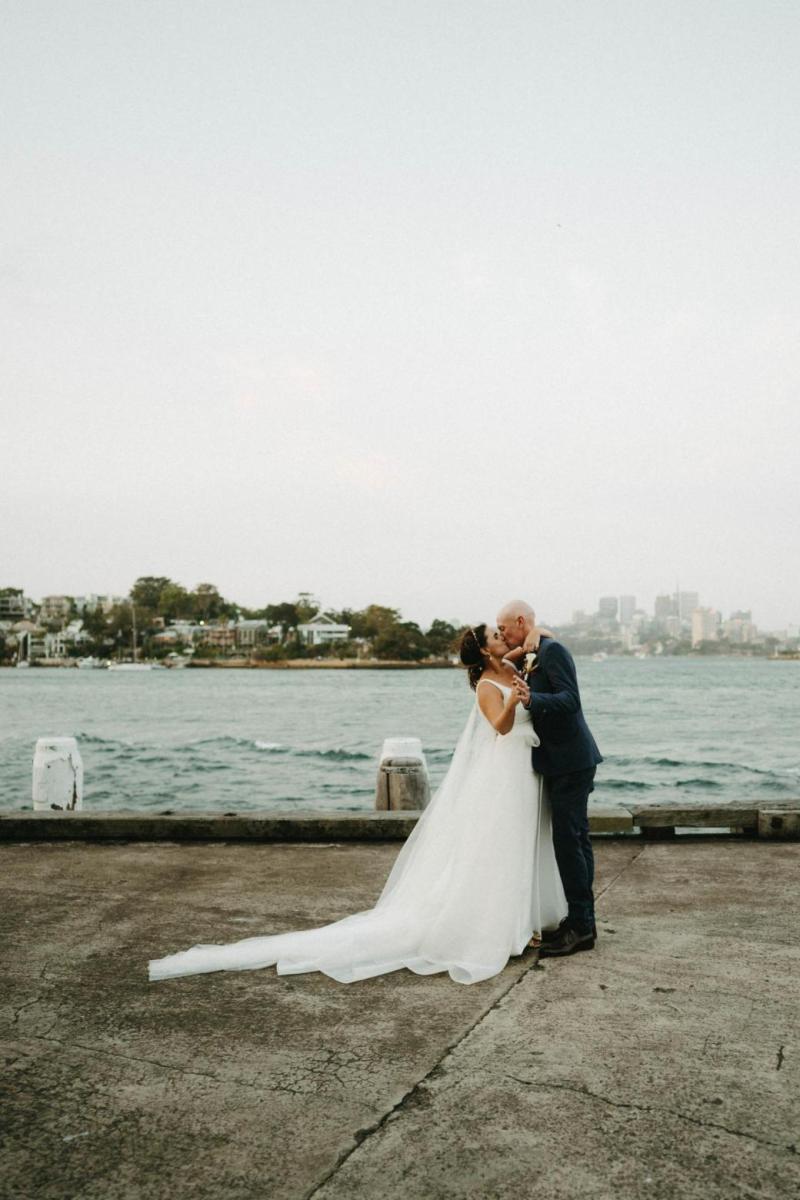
pixel 567 758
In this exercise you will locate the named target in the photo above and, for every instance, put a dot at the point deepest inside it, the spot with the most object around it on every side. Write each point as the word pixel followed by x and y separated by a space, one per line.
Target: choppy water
pixel 676 729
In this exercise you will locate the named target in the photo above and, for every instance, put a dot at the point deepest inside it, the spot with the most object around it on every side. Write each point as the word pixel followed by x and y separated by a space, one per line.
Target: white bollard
pixel 57 774
pixel 402 783
pixel 403 747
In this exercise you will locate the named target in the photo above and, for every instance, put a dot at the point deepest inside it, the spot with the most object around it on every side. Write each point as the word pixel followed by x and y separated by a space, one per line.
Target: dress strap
pixel 499 686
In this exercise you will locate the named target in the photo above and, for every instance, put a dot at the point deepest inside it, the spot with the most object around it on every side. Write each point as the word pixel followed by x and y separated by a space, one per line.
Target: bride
pixel 475 882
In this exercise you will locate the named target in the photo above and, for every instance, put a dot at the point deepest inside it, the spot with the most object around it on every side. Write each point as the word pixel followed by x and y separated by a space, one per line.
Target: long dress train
pixel 474 880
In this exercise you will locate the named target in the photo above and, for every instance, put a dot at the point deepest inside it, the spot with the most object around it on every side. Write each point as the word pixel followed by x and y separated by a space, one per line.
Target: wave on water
pixel 625 760
pixel 334 753
pixel 626 785
pixel 162 753
pixel 94 739
pixel 621 760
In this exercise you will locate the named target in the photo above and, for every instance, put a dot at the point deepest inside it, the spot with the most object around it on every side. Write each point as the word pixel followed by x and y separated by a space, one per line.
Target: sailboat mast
pixel 133 619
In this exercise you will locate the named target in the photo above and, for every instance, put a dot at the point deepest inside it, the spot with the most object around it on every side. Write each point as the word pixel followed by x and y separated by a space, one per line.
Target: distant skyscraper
pixel 705 625
pixel 627 607
pixel 607 608
pixel 684 604
pixel 739 628
pixel 664 608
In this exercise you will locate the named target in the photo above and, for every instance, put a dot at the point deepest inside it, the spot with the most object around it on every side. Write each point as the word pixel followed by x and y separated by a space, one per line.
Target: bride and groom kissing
pixel 501 858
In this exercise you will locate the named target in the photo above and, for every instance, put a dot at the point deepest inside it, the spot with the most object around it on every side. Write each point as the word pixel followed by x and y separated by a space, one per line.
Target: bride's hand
pixel 534 637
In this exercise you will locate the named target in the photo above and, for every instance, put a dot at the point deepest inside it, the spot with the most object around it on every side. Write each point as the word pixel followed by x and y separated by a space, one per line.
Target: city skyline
pixel 681 609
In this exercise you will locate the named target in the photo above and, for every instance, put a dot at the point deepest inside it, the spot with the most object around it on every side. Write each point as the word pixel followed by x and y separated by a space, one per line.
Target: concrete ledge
pixel 777 822
pixel 131 826
pixel 655 822
pixel 609 818
pixel 713 816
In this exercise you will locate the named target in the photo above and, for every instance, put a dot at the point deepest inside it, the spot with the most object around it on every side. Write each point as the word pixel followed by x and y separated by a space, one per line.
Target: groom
pixel 567 758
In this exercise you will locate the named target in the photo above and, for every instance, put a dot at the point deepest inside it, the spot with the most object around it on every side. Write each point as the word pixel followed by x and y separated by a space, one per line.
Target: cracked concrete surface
pixel 663 1064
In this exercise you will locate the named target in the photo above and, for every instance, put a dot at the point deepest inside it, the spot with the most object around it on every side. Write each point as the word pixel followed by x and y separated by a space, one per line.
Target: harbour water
pixel 687 730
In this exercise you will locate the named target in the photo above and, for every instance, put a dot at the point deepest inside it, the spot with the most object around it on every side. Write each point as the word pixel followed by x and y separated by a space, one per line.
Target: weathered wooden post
pixel 403 783
pixel 57 774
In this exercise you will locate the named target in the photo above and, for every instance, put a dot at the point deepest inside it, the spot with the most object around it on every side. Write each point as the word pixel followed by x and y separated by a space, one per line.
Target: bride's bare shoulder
pixel 491 697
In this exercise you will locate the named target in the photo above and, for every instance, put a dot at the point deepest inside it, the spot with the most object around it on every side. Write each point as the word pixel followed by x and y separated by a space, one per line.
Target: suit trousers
pixel 569 797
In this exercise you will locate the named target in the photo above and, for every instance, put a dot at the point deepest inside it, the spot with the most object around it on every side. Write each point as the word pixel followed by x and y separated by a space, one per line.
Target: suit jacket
pixel 555 707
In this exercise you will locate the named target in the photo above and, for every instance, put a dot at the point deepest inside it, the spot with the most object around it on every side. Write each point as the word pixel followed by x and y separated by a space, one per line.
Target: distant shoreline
pixel 288 664
pixel 356 664
pixel 324 664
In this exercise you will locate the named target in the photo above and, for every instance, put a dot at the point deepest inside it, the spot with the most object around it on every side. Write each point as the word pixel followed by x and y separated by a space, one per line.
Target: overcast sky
pixel 419 302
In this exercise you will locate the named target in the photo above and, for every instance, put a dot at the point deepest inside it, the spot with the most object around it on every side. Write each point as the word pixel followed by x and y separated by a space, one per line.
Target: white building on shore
pixel 321 630
pixel 63 643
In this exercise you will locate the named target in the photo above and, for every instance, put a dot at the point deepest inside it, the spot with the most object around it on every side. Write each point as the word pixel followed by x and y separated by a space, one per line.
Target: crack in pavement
pixel 22 1007
pixel 154 1063
pixel 630 863
pixel 781 1057
pixel 412 1095
pixel 588 1094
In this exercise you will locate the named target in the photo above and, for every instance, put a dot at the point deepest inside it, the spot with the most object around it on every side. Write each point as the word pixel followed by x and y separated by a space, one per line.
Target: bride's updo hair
pixel 472 643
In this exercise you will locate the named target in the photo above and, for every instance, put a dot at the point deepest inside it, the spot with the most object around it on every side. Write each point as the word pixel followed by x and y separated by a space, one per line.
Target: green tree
pixel 404 641
pixel 369 622
pixel 441 638
pixel 95 623
pixel 146 593
pixel 306 606
pixel 284 614
pixel 208 605
pixel 174 602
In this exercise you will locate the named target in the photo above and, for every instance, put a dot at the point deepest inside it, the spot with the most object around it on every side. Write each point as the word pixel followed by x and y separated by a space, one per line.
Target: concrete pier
pixel 663 1064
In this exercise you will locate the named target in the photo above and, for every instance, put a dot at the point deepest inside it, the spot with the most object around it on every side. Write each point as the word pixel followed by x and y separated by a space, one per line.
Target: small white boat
pixel 600 656
pixel 90 663
pixel 23 662
pixel 136 666
pixel 176 661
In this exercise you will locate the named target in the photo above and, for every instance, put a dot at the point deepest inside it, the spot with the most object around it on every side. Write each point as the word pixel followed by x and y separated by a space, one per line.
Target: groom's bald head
pixel 515 620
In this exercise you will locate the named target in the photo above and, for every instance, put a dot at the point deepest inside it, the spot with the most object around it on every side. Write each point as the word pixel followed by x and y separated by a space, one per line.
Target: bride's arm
pixel 498 711
pixel 534 637
pixel 531 642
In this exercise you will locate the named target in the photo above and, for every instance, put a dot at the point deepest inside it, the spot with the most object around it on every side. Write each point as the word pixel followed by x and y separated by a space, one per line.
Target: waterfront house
pixel 92 601
pixel 14 606
pixel 321 630
pixel 250 633
pixel 62 643
pixel 54 608
pixel 222 637
pixel 30 640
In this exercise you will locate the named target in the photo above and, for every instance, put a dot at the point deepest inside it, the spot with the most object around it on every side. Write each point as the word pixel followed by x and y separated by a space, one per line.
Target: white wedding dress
pixel 474 880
